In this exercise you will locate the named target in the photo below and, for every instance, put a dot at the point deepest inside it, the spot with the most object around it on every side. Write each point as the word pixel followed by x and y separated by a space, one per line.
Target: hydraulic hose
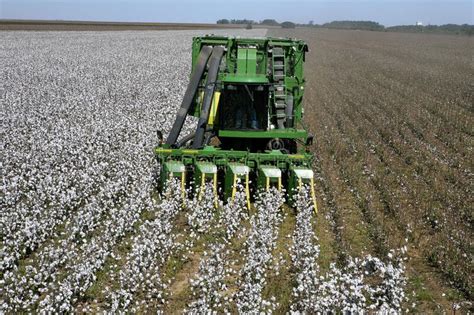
pixel 189 137
pixel 189 94
pixel 185 139
pixel 214 63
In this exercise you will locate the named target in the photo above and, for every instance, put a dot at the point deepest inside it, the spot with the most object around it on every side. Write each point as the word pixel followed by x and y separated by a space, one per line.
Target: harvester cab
pixel 248 96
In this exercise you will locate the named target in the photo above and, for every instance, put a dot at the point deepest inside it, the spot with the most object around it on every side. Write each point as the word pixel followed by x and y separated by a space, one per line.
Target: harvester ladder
pixel 279 94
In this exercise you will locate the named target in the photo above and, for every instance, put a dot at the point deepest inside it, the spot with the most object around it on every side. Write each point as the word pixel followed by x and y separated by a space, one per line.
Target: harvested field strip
pixel 400 150
pixel 356 237
pixel 442 194
pixel 383 111
pixel 325 227
pixel 434 195
pixel 392 117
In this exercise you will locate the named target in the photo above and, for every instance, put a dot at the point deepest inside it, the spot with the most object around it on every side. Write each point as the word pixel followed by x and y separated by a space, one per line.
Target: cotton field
pixel 82 227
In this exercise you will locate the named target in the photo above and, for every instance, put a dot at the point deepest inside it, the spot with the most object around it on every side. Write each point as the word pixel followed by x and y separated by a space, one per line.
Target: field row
pixel 233 253
pixel 392 119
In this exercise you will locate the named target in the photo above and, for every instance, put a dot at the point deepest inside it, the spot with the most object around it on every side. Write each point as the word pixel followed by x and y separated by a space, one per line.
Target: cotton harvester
pixel 248 96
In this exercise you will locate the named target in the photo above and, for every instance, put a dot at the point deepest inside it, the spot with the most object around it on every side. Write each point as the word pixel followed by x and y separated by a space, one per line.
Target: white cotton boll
pixel 259 245
pixel 80 148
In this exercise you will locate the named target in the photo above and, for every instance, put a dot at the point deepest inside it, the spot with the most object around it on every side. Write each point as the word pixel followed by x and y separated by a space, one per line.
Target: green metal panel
pixel 206 168
pixel 276 133
pixel 251 61
pixel 297 175
pixel 256 79
pixel 268 174
pixel 242 61
pixel 175 168
pixel 304 174
pixel 171 169
pixel 246 61
pixel 234 171
pixel 238 169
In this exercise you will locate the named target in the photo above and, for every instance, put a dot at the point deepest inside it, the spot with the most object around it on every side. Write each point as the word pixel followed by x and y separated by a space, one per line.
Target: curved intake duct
pixel 189 94
pixel 214 63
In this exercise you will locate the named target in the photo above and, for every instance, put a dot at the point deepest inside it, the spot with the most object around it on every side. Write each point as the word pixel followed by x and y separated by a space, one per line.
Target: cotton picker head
pixel 248 96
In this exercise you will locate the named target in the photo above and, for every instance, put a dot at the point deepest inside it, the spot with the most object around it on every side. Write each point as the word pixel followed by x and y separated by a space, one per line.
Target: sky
pixel 386 12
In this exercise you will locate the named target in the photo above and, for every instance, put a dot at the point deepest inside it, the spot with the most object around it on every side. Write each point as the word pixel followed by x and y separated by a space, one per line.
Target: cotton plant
pixel 150 249
pixel 233 213
pixel 82 270
pixel 361 285
pixel 202 208
pixel 304 253
pixel 79 113
pixel 258 253
pixel 208 286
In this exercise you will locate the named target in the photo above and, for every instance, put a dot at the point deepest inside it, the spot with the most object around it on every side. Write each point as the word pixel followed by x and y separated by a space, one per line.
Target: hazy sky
pixel 387 12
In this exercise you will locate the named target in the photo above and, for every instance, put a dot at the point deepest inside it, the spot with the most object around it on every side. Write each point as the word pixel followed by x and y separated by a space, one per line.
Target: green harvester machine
pixel 248 96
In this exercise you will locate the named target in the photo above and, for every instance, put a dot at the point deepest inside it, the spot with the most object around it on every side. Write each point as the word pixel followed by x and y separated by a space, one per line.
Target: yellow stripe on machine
pixel 183 186
pixel 247 190
pixel 203 185
pixel 190 151
pixel 234 187
pixel 214 105
pixel 159 150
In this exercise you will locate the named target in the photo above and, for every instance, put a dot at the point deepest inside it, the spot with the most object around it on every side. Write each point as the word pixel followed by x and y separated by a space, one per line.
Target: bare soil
pixel 392 116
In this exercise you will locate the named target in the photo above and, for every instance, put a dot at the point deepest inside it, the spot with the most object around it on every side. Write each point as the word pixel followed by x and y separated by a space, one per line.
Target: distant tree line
pixel 244 21
pixel 249 23
pixel 464 29
pixel 354 25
